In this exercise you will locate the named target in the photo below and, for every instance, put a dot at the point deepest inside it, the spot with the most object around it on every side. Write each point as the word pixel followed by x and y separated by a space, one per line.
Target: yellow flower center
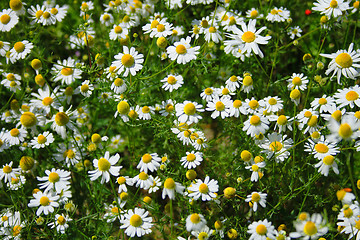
pixel 115 211
pixel 232 20
pixel 333 4
pixel 118 82
pixel 189 109
pixel 274 12
pixel 344 60
pixel 204 23
pixel 219 106
pixel 14 132
pixel 118 29
pixel 345 130
pixel 36 64
pixel 253 104
pixel 295 94
pixel 255 120
pixel 357 224
pixel 39 80
pixel 146 158
pixel 180 49
pixel 67 71
pixel 121 180
pixel 47 101
pixel 46 15
pixel 296 81
pixel 103 164
pixel 124 196
pixel 310 228
pixel 69 154
pixel 106 17
pixel 248 37
pixel 61 220
pixel 352 96
pixel 38 14
pixel 15 5
pixel 123 107
pixel 7 169
pixel 321 148
pixel 135 220
pixel 143 176
pixel 190 157
pixel 233 78
pixel 126 19
pixel 44 201
pixel 195 218
pixel 212 30
pixel 169 183
pixel 145 109
pixel 356 4
pixel 282 120
pixel 13 84
pixel 255 197
pixel 154 24
pixel 312 121
pixel 255 168
pixel 237 103
pixel 54 177
pixel 4 218
pixel 254 14
pixel 84 88
pixel 276 146
pixel 272 101
pixel 16 230
pixel 19 47
pixel 5 19
pixel 160 28
pixel 127 60
pixel 322 101
pixel 84 7
pixel 208 91
pixel 28 119
pixel 187 133
pixel 203 188
pixel 337 115
pixel 171 80
pixel 261 229
pixel 347 211
pixel 169 108
pixel 203 236
pixel 54 11
pixel 10 77
pixel 61 118
pixel 315 135
pixel 225 91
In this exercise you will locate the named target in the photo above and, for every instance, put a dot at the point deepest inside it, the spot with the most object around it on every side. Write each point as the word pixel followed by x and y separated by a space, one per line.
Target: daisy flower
pixel 219 107
pixel 44 100
pixel 187 112
pixel 129 61
pixel 46 200
pixel 56 178
pixel 182 51
pixel 195 222
pixel 325 164
pixel 237 108
pixel 297 81
pixel 123 181
pixel 61 120
pixel 345 196
pixel 283 122
pixel 261 230
pixel 119 86
pixel 343 63
pixel 85 7
pixel 8 20
pixel 16 183
pixel 149 162
pixel 59 12
pixel 310 229
pixel 4 48
pixel 272 104
pixel 16 136
pixel 47 18
pixel 203 234
pixel 294 31
pixel 14 227
pixel 7 172
pixel 233 83
pixel 253 13
pixel 42 140
pixel 321 148
pixel 143 180
pixel 66 71
pixel 123 109
pixel 136 222
pixel 278 15
pixel 107 19
pixel 256 198
pixel 347 129
pixel 212 34
pixel 255 125
pixel 253 106
pixel 145 112
pixel 325 104
pixel 160 28
pixel 104 167
pixel 200 142
pixel 250 38
pixel 70 155
pixel 191 160
pixel 230 20
pixel 20 50
pixel 170 186
pixel 255 169
pixel 348 97
pixel 60 223
pixel 85 89
pixel 167 107
pixel 118 32
pixel 112 213
pixel 172 82
pixel 276 146
pixel 209 93
pixel 156 185
pixel 331 8
pixel 206 190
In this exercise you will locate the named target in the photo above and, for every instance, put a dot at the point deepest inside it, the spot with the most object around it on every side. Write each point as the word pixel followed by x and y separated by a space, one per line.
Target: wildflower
pixel 112 213
pixel 261 230
pixel 255 169
pixel 343 63
pixel 212 34
pixel 14 227
pixel 104 167
pixel 195 222
pixel 283 122
pixel 250 38
pixel 16 183
pixel 172 82
pixel 106 19
pixel 348 97
pixel 191 160
pixel 149 162
pixel 294 31
pixel 45 100
pixel 123 109
pixel 297 81
pixel 256 198
pixel 136 222
pixel 203 234
pixel 61 120
pixel 8 172
pixel 331 8
pixel 325 103
pixel 69 154
pixel 20 50
pixel 321 148
pixel 66 71
pixel 255 125
pixel 170 186
pixel 206 190
pixel 345 196
pixel 60 223
pixel 312 228
pixel 56 179
pixel 59 12
pixel 47 201
pixel 8 20
pixel 85 89
pixel 253 13
pixel 129 61
pixel 276 146
pixel 182 51
pixel 278 15
pixel 272 104
pixel 187 112
pixel 347 129
pixel 209 93
pixel 143 180
pixel 167 107
pixel 220 107
pixel 145 111
pixel 159 28
pixel 233 82
pixel 118 32
pixel 119 86
pixel 253 106
pixel 4 48
pixel 15 136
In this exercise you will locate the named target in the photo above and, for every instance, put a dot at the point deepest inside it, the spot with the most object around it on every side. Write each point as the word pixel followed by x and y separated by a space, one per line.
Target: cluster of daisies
pixel 50 116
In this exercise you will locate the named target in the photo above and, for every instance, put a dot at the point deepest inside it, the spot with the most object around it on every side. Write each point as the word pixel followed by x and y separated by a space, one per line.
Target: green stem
pixel 164 69
pixel 348 163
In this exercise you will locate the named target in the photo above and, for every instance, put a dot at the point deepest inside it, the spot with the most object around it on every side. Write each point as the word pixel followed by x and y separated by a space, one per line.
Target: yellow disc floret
pixel 344 60
pixel 104 164
pixel 146 158
pixel 169 183
pixel 248 37
pixel 127 60
pixel 261 229
pixel 135 220
pixel 54 177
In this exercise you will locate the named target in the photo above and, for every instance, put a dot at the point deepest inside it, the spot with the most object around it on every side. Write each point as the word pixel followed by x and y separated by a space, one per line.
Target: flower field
pixel 180 119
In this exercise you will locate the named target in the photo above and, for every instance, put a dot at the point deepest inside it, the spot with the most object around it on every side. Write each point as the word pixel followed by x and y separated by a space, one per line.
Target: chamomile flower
pixel 278 15
pixel 46 201
pixel 348 97
pixel 112 213
pixel 254 13
pixel 145 112
pixel 149 162
pixel 261 230
pixel 219 107
pixel 233 83
pixel 321 148
pixel 86 7
pixel 44 100
pixel 56 179
pixel 59 12
pixel 156 185
pixel 294 32
pixel 172 82
pixel 35 13
pixel 325 164
pixel 182 51
pixel 347 129
pixel 160 28
pixel 205 190
pixel 254 106
pixel 123 181
pixel 42 140
pixel 61 223
pixel 119 86
pixel 66 71
pixel 7 172
pixel 16 183
pixel 70 155
pixel 191 160
pixel 129 61
pixel 47 18
pixel 170 187
pixel 4 48
pixel 209 93
pixel 61 120
pixel 325 104
pixel 272 104
pixel 256 198
pixel 310 229
pixel 195 222
pixel 85 89
pixel 255 168
pixel 107 19
pixel 255 125
pixel 104 167
pixel 16 136
pixel 250 38
pixel 20 50
pixel 136 222
pixel 167 107
pixel 212 33
pixel 343 63
pixel 8 20
pixel 143 180
pixel 345 196
pixel 276 146
pixel 187 112
pixel 297 81
pixel 118 32
pixel 331 8
pixel 203 234
pixel 237 108
pixel 283 122
pixel 123 109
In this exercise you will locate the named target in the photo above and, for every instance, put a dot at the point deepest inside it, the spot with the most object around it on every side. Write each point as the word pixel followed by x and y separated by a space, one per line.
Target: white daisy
pixel 209 93
pixel 172 82
pixel 182 51
pixel 136 222
pixel 347 129
pixel 187 112
pixel 325 164
pixel 256 198
pixel 278 15
pixel 255 125
pixel 119 86
pixel 321 148
pixel 219 107
pixel 118 32
pixel 348 97
pixel 104 167
pixel 261 230
pixel 47 201
pixel 297 81
pixel 149 162
pixel 255 169
pixel 331 8
pixel 60 223
pixel 61 120
pixel 146 112
pixel 143 180
pixel 205 190
pixel 8 20
pixel 66 71
pixel 129 61
pixel 7 172
pixel 170 187
pixel 20 50
pixel 310 229
pixel 195 222
pixel 277 146
pixel 42 140
pixel 191 160
pixel 56 179
pixel 44 100
pixel 16 136
pixel 325 104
